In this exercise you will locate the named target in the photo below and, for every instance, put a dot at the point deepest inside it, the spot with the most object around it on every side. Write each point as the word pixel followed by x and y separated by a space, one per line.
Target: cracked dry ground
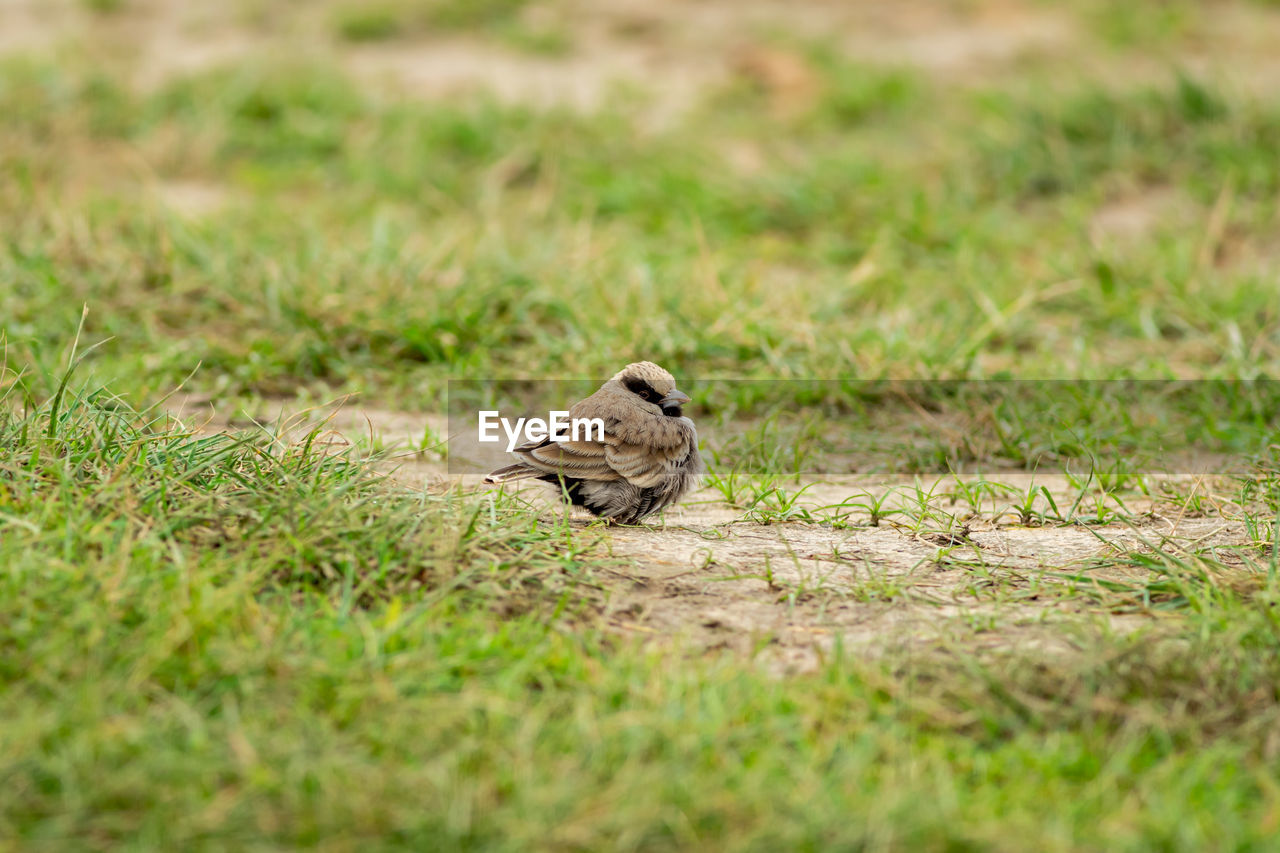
pixel 708 576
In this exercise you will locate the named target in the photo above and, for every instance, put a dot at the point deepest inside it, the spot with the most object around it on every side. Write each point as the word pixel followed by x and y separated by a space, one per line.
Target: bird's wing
pixel 583 459
pixel 639 465
pixel 593 460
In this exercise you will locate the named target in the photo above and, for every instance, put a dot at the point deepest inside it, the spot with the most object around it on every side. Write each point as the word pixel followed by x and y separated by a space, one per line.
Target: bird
pixel 648 458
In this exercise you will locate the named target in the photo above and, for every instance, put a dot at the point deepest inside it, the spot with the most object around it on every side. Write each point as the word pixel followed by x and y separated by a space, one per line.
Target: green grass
pixel 389 245
pixel 410 19
pixel 212 640
pixel 256 640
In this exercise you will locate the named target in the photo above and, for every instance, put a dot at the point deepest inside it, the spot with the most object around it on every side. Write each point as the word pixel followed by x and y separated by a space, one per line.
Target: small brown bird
pixel 648 458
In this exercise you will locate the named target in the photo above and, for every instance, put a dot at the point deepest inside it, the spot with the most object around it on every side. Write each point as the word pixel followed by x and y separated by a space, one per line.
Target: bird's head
pixel 647 385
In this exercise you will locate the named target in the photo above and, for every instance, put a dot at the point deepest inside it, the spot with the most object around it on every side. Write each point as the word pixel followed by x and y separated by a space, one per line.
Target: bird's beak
pixel 675 398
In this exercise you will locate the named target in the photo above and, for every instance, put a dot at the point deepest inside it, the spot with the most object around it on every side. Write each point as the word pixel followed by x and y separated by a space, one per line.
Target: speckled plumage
pixel 647 461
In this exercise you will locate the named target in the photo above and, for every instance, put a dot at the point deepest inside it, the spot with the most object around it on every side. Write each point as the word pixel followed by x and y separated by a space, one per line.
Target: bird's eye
pixel 644 395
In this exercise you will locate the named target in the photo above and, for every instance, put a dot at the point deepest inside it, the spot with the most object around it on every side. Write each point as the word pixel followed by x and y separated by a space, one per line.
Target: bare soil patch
pixel 1133 217
pixel 191 198
pixel 795 591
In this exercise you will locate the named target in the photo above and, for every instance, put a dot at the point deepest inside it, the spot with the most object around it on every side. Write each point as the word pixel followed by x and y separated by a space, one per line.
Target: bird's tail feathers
pixel 511 472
